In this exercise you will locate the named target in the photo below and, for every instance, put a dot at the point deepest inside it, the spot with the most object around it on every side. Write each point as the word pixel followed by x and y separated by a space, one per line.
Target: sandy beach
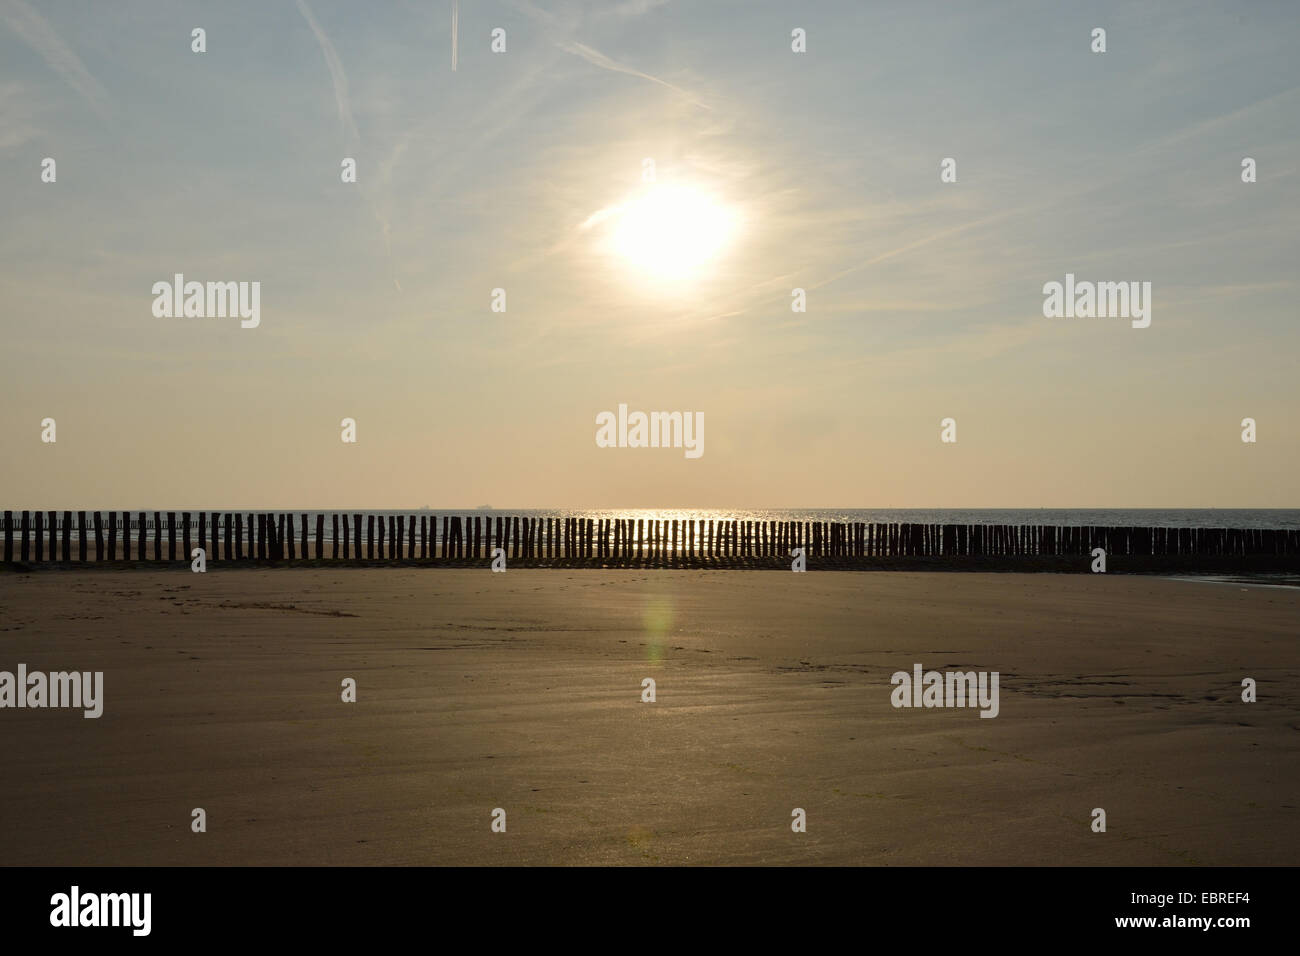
pixel 522 691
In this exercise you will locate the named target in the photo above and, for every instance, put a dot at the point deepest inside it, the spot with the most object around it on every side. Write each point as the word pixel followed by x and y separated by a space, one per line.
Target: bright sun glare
pixel 672 232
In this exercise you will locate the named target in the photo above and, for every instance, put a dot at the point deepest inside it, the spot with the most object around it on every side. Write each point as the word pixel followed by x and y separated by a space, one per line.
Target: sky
pixel 924 299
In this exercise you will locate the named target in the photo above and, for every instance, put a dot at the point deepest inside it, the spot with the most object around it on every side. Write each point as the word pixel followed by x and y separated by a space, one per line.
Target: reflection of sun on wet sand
pixel 523 691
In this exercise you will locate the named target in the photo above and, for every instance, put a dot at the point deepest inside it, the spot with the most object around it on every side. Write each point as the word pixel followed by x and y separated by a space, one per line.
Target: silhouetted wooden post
pixel 9 539
pixel 67 536
pixel 25 534
pixel 185 534
pixel 40 536
pixel 239 535
pixel 370 536
pixel 320 537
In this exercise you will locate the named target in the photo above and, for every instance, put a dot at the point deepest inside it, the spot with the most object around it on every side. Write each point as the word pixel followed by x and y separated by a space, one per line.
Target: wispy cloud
pixel 596 58
pixel 19 114
pixel 37 33
pixel 337 74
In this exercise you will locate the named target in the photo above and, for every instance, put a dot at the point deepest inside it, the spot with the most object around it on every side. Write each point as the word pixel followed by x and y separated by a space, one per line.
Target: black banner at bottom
pixel 304 906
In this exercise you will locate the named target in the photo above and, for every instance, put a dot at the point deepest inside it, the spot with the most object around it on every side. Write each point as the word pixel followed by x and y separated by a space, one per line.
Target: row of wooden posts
pixel 272 537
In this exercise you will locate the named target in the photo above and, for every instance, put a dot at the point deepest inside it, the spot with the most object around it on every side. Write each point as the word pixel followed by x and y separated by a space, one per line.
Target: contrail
pixel 455 29
pixel 596 58
pixel 40 36
pixel 336 72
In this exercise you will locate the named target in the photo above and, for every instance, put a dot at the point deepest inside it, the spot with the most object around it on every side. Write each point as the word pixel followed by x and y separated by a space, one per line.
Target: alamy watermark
pixel 36 689
pixel 211 300
pixel 950 689
pixel 655 430
pixel 76 908
pixel 1104 300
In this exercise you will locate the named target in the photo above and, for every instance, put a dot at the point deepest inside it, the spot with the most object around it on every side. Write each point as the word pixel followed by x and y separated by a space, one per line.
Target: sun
pixel 672 232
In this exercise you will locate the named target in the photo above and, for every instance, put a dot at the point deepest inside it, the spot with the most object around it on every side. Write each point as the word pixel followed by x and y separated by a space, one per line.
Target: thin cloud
pixel 37 33
pixel 337 74
pixel 596 58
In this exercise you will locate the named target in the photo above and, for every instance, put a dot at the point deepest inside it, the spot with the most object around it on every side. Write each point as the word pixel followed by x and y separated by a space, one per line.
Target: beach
pixel 523 691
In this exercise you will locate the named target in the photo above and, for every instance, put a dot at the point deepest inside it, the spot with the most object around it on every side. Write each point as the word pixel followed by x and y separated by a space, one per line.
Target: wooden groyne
pixel 169 537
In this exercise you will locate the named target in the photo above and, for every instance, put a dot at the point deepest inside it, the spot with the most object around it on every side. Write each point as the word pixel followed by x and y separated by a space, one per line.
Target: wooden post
pixel 286 524
pixel 356 534
pixel 424 537
pixel 40 536
pixel 370 536
pixel 25 549
pixel 185 535
pixel 320 537
pixel 239 534
pixel 303 543
pixel 397 538
pixel 9 537
pixel 67 536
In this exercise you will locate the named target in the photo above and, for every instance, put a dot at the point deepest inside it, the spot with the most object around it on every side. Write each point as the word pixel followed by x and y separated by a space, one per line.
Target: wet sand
pixel 522 691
